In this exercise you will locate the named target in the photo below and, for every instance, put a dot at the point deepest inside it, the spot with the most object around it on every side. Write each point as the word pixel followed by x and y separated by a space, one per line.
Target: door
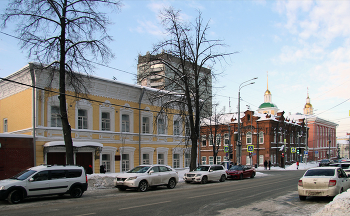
pixel 83 159
pixel 58 158
pixel 40 184
pixel 155 177
pixel 58 182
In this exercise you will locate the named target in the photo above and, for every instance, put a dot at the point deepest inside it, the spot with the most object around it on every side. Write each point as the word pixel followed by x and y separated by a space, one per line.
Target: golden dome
pixel 267 92
pixel 308 105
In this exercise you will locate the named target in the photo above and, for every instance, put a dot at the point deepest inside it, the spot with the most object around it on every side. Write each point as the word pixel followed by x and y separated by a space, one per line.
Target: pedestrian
pixel 265 164
pixel 269 165
pixel 102 169
pixel 89 170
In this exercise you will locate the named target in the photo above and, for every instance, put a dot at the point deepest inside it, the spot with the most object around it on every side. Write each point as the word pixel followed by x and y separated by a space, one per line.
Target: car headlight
pixel 131 178
pixel 199 175
pixel 2 187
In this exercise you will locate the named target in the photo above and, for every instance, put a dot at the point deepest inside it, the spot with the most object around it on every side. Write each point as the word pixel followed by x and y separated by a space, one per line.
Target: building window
pixel 125 123
pixel 261 159
pixel 187 129
pixel 249 137
pixel 211 140
pixel 125 162
pixel 204 160
pixel 176 161
pixel 187 159
pixel 274 137
pixel 55 117
pixel 248 159
pixel 227 139
pixel 82 119
pixel 204 140
pixel 211 160
pixel 161 125
pixel 145 159
pixel 5 125
pixel 261 137
pixel 145 125
pixel 160 158
pixel 176 127
pixel 105 121
pixel 106 162
pixel 218 139
pixel 218 159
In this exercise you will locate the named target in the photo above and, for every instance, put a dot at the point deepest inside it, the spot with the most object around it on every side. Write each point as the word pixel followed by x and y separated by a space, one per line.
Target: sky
pixel 303 46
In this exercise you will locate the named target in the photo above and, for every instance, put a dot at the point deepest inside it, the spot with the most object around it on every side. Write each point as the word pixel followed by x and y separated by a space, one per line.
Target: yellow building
pixel 108 128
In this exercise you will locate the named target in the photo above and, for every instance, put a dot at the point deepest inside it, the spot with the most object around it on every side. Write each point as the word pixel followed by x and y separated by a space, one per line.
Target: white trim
pixel 130 112
pixel 149 151
pixel 130 151
pixel 164 151
pixel 85 105
pixel 148 114
pixel 111 151
pixel 75 144
pixel 107 107
pixel 180 152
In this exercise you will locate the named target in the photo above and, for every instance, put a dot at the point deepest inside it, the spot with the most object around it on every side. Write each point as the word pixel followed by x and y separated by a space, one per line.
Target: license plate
pixel 314 193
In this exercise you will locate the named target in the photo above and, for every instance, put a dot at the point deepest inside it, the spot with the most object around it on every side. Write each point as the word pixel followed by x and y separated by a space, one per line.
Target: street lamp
pixel 239 143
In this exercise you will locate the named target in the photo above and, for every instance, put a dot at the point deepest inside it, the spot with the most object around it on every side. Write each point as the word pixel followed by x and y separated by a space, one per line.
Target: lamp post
pixel 239 143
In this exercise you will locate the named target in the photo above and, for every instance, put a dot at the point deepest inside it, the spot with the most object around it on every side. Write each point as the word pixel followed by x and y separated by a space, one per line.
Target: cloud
pixel 146 26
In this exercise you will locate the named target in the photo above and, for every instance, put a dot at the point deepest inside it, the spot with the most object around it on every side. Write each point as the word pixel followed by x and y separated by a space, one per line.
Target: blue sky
pixel 302 44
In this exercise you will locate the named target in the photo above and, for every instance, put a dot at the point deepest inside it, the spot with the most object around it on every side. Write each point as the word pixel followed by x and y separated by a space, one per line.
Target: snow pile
pixel 339 206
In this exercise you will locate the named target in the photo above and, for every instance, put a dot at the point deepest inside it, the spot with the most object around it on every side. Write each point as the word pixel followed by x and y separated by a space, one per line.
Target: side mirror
pixel 31 180
pixel 210 170
pixel 150 172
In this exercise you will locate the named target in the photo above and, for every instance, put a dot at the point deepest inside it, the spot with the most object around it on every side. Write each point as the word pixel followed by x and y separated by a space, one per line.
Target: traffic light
pixel 283 155
pixel 250 154
pixel 297 150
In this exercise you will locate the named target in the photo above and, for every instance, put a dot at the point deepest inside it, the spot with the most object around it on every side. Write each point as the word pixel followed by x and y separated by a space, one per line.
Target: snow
pixel 339 206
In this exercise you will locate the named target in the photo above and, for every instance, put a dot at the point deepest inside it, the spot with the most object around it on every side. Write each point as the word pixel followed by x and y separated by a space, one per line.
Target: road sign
pixel 250 148
pixel 226 149
pixel 305 152
pixel 293 150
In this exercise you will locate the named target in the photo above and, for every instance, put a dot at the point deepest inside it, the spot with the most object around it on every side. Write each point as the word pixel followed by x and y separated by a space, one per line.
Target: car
pixel 205 173
pixel 345 166
pixel 323 182
pixel 325 162
pixel 240 172
pixel 144 176
pixel 44 180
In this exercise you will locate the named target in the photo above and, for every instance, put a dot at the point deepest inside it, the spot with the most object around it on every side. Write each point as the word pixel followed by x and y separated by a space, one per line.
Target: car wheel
pixel 302 197
pixel 241 177
pixel 171 184
pixel 143 186
pixel 253 175
pixel 76 192
pixel 223 178
pixel 204 180
pixel 15 197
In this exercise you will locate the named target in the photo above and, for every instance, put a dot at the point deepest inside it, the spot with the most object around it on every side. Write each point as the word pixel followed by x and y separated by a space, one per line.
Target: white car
pixel 44 180
pixel 323 181
pixel 205 173
pixel 144 176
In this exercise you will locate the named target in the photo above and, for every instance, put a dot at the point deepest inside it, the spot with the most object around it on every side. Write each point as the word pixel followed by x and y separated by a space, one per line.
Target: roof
pixel 75 144
pixel 267 105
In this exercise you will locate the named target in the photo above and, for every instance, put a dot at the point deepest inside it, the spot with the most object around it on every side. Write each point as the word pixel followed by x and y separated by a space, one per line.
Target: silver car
pixel 205 173
pixel 323 181
pixel 144 176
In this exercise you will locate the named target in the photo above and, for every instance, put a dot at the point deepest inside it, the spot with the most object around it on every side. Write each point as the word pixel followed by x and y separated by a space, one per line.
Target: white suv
pixel 144 176
pixel 44 180
pixel 205 173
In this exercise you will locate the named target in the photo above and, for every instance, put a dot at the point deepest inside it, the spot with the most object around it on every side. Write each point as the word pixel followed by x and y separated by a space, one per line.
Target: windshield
pixel 320 172
pixel 23 175
pixel 236 168
pixel 325 160
pixel 202 168
pixel 139 169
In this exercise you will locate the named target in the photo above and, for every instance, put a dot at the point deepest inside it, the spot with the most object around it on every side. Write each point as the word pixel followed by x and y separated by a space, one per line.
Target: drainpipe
pixel 32 74
pixel 140 99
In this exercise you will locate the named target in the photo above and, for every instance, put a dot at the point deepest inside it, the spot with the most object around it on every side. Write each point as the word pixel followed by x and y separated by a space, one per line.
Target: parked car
pixel 144 176
pixel 323 181
pixel 205 173
pixel 345 166
pixel 44 180
pixel 325 162
pixel 240 172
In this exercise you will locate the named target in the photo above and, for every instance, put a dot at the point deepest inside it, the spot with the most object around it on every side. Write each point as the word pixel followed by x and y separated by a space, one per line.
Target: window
pixel 261 159
pixel 125 162
pixel 41 176
pixel 176 127
pixel 204 140
pixel 82 119
pixel 187 159
pixel 160 158
pixel 106 161
pixel 145 159
pixel 211 140
pixel 125 123
pixel 161 125
pixel 55 117
pixel 211 160
pixel 187 129
pixel 145 125
pixel 218 159
pixel 105 121
pixel 249 137
pixel 218 139
pixel 5 125
pixel 248 160
pixel 227 139
pixel 58 174
pixel 176 161
pixel 274 137
pixel 204 160
pixel 261 137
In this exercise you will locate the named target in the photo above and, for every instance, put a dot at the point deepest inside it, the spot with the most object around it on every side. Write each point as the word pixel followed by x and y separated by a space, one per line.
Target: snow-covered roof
pixel 75 144
pixel 15 135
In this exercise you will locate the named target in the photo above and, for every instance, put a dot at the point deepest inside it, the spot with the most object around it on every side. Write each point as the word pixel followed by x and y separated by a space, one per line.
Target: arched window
pixel 249 138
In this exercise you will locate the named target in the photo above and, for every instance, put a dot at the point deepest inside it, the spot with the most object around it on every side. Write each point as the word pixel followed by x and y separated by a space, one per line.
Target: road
pixel 273 194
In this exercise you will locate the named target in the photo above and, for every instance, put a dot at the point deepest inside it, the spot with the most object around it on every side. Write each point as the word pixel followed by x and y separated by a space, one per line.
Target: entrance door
pixel 58 158
pixel 84 159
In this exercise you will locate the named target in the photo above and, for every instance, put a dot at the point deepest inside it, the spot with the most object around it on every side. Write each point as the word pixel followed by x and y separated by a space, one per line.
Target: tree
pixel 64 35
pixel 187 54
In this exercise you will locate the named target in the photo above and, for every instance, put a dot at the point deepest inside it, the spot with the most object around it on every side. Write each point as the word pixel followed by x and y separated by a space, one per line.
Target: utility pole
pixel 329 146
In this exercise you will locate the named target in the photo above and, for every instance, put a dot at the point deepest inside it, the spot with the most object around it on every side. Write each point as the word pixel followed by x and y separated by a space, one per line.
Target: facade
pixel 343 146
pixel 157 71
pixel 108 128
pixel 273 138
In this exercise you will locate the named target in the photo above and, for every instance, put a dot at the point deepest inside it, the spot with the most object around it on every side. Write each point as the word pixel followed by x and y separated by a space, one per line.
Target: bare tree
pixel 63 34
pixel 187 55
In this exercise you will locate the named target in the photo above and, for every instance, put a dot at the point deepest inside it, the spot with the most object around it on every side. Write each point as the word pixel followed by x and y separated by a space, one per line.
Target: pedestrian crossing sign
pixel 293 150
pixel 250 148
